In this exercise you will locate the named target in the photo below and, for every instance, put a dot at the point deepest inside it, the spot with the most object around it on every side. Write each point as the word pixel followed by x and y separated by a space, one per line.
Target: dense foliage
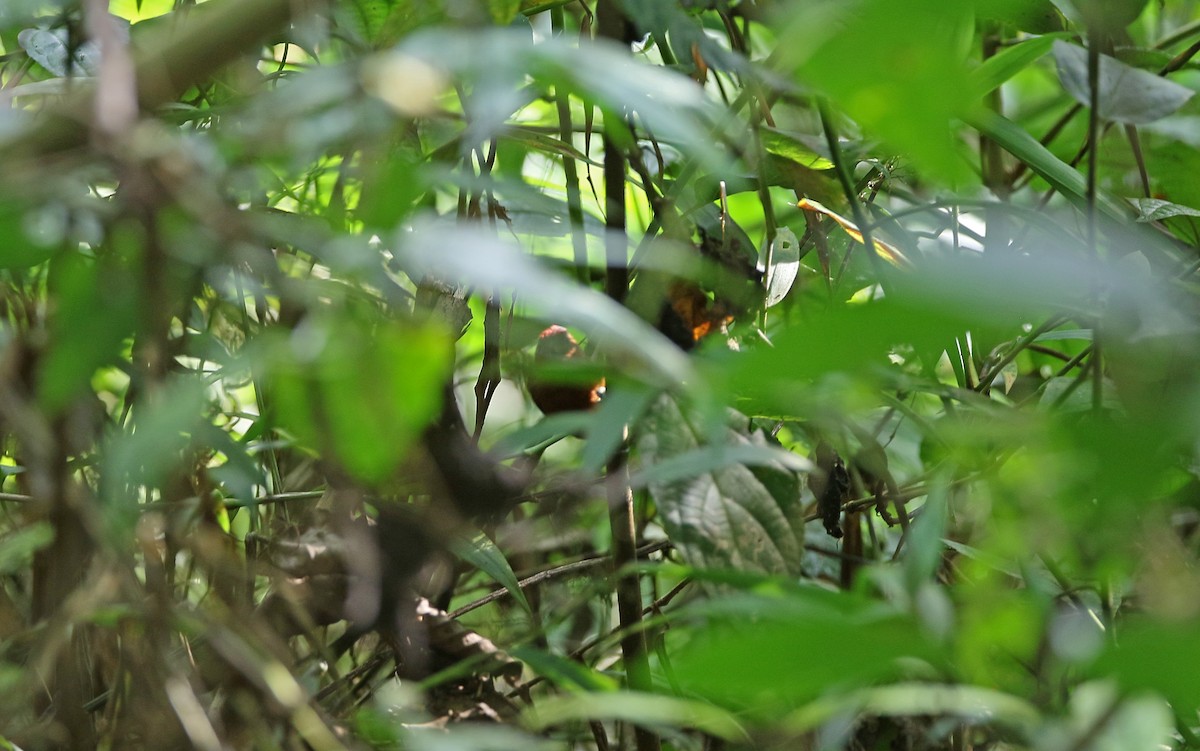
pixel 864 335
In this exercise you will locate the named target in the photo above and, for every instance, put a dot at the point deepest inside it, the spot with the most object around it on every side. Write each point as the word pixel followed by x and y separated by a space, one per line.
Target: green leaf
pixel 770 654
pixel 924 550
pixel 972 703
pixel 19 250
pixel 1008 62
pixel 1155 656
pixel 485 261
pixel 1127 95
pixel 898 68
pixel 721 513
pixel 1038 158
pixel 17 548
pixel 96 311
pixel 482 553
pixel 642 709
pixel 1034 16
pixel 1156 210
pixel 564 673
pixel 789 146
pixel 362 397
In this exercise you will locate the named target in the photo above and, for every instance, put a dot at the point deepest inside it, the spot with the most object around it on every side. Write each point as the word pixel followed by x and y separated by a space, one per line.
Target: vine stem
pixel 1093 65
pixel 612 24
pixel 847 181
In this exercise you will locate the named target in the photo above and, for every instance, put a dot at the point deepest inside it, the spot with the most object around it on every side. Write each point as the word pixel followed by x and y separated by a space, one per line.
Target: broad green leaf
pixel 17 548
pixel 486 261
pixel 971 703
pixel 81 339
pixel 1100 719
pixel 1127 95
pixel 360 396
pixel 771 654
pixel 720 514
pixel 19 250
pixel 790 146
pixel 1156 209
pixel 898 68
pixel 1155 656
pixel 1034 16
pixel 482 553
pixel 924 546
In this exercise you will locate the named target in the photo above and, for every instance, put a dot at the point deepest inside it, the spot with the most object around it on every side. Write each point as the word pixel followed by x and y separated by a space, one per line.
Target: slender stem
pixel 1093 63
pixel 611 24
pixel 847 181
pixel 566 132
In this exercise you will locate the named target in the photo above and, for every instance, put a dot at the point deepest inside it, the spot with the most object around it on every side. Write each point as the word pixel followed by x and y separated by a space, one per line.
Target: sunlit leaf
pixel 886 251
pixel 642 709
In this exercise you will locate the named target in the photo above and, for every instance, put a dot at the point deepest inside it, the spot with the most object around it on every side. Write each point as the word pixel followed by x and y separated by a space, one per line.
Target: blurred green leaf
pixel 364 396
pixel 17 548
pixel 899 69
pixel 770 654
pixel 1008 62
pixel 646 710
pixel 1127 95
pixel 1034 16
pixel 1155 656
pixel 98 305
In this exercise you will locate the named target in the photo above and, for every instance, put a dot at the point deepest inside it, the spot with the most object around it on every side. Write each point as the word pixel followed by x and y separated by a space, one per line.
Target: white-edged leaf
pixel 784 265
pixel 1127 94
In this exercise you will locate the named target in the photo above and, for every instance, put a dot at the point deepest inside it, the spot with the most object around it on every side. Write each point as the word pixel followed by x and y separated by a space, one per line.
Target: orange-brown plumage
pixel 555 344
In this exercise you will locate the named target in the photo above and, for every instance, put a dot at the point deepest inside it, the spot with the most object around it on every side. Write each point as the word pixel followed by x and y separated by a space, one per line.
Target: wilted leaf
pixel 721 515
pixel 1127 95
pixel 886 251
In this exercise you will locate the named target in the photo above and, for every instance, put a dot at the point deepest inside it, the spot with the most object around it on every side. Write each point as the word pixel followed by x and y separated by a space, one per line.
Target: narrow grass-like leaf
pixel 1053 170
pixel 1009 62
pixel 482 553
